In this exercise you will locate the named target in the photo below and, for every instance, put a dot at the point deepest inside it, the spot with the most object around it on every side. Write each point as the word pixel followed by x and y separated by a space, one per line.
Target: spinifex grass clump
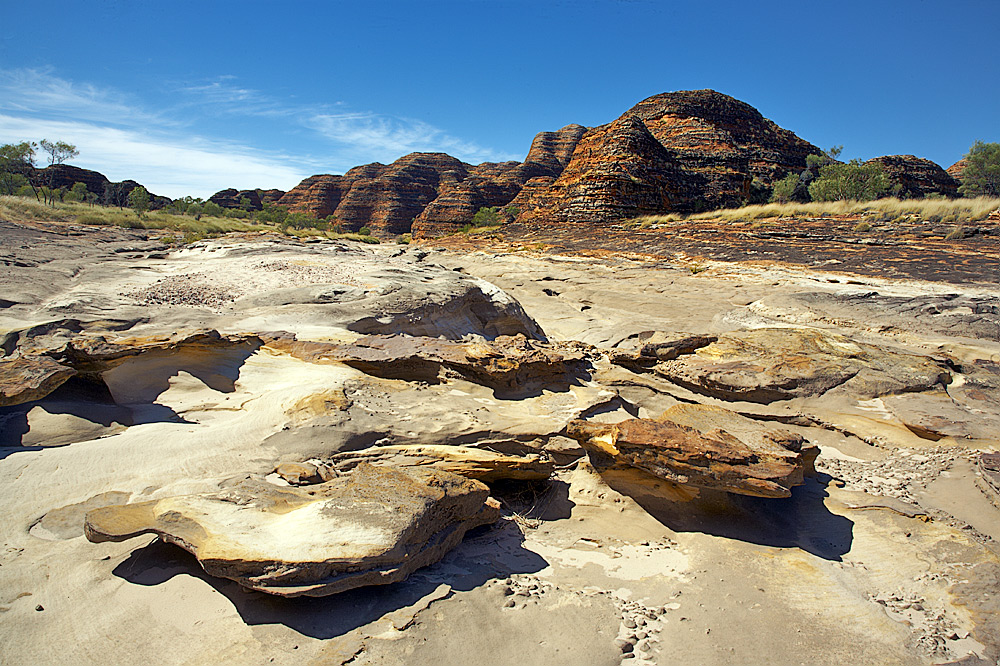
pixel 887 210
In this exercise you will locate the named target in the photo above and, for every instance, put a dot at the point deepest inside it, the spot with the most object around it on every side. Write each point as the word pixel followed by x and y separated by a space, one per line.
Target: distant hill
pixel 67 175
pixel 681 151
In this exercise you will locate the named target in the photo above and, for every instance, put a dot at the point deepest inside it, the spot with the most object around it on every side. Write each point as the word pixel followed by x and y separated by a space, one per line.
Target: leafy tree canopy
pixel 981 175
pixel 852 181
pixel 139 200
pixel 59 151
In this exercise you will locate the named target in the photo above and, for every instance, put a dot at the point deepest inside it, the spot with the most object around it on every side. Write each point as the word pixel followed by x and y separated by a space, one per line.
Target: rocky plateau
pixel 263 449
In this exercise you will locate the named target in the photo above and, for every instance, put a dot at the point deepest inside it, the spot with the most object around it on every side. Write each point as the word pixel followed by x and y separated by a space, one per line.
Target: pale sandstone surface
pixel 872 561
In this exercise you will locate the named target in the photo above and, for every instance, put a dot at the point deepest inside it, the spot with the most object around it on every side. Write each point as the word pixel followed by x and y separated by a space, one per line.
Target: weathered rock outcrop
pixel 231 198
pixel 23 379
pixel 428 193
pixel 43 360
pixel 956 169
pixel 700 446
pixel 373 527
pixel 498 184
pixel 724 140
pixel 506 363
pixel 917 177
pixel 66 176
pixel 712 148
pixel 676 151
pixel 769 364
pixel 617 171
pixel 472 463
pixel 384 198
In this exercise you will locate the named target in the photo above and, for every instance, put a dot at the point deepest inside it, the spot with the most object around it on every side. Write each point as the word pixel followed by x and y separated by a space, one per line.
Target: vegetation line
pixel 880 210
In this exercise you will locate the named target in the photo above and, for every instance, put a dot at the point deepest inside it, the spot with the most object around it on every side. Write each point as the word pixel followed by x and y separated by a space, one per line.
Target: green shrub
pixel 981 175
pixel 364 231
pixel 487 216
pixel 854 181
pixel 785 188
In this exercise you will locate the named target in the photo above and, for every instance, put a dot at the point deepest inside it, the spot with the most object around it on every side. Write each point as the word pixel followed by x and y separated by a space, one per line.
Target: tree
pixel 487 216
pixel 138 200
pixel 784 189
pixel 17 165
pixel 981 175
pixel 78 192
pixel 115 194
pixel 59 151
pixel 855 181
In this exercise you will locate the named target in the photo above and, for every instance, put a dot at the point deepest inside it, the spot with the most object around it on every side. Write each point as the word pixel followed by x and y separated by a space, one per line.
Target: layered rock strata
pixel 505 364
pixel 617 171
pixel 472 463
pixel 915 177
pixel 770 364
pixel 700 446
pixel 66 176
pixel 383 198
pixel 372 527
pixel 680 151
pixel 498 184
pixel 231 198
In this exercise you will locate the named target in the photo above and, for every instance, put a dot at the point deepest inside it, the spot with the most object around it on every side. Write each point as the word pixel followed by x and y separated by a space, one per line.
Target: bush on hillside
pixel 981 175
pixel 854 181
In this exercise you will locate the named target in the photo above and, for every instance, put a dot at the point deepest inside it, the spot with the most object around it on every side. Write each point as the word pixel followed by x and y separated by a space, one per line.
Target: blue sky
pixel 189 98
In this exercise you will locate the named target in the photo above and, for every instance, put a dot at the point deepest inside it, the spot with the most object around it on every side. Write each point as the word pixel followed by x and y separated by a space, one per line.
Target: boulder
pixel 700 446
pixel 506 363
pixel 373 527
pixel 769 364
pixel 472 463
pixel 24 379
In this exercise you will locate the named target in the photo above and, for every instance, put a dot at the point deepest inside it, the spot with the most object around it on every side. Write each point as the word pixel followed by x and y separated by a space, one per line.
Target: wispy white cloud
pixel 222 95
pixel 40 93
pixel 118 136
pixel 357 136
pixel 198 167
pixel 386 138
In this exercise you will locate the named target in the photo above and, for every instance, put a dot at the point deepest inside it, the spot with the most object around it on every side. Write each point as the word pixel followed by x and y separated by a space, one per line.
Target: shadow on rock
pixel 485 554
pixel 800 521
pixel 92 413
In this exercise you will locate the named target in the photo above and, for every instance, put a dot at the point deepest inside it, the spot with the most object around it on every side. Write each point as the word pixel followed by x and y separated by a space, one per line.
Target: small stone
pixel 626 646
pixel 629 623
pixel 39 607
pixel 507 591
pixel 509 603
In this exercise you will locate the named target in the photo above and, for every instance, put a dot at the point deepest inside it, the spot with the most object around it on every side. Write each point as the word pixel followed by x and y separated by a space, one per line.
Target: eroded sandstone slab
pixel 769 364
pixel 472 463
pixel 373 527
pixel 701 446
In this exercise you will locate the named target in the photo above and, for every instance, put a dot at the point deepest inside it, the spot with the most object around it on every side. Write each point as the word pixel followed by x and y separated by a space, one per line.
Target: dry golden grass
pixel 935 210
pixel 23 209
